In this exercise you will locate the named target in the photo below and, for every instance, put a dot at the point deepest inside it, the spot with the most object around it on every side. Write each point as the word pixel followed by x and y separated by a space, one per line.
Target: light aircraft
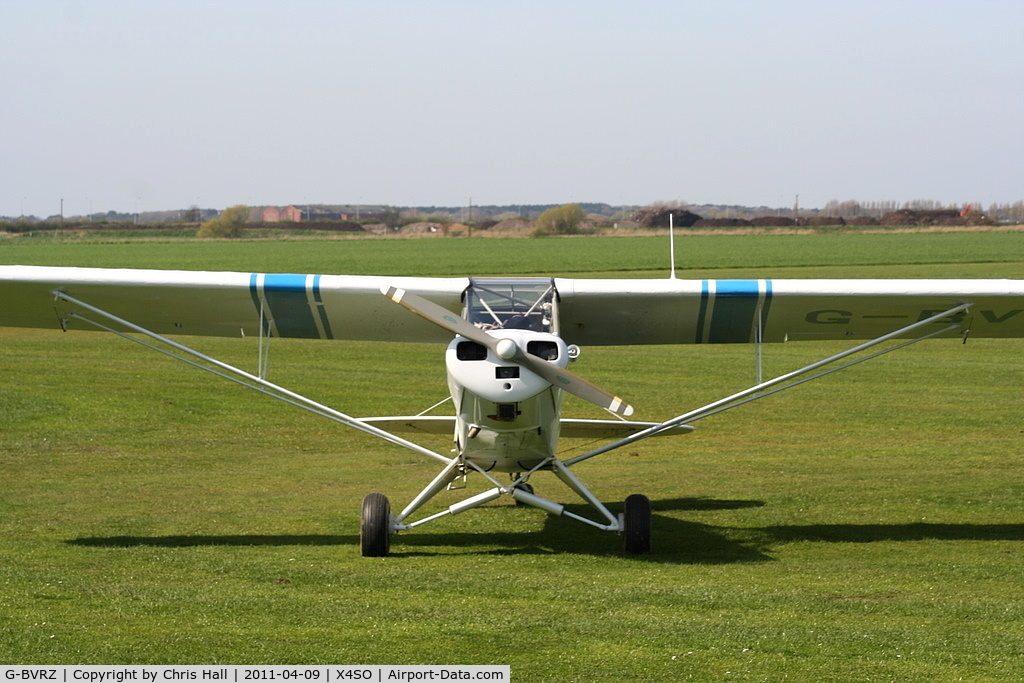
pixel 509 344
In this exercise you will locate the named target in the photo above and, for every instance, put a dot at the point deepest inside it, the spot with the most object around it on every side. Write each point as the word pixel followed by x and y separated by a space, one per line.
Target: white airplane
pixel 509 342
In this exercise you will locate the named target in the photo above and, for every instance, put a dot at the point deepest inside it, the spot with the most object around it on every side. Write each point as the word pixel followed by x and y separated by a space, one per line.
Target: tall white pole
pixel 672 245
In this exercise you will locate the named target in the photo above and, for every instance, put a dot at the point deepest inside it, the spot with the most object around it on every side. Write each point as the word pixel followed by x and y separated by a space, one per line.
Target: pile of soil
pixel 514 225
pixel 935 217
pixel 722 223
pixel 657 217
pixel 822 221
pixel 772 222
pixel 421 228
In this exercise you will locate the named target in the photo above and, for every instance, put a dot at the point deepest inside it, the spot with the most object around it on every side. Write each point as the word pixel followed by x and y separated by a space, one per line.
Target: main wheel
pixel 375 526
pixel 525 487
pixel 636 522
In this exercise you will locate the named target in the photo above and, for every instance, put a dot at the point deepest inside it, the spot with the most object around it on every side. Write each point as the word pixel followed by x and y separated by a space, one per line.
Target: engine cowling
pixel 494 375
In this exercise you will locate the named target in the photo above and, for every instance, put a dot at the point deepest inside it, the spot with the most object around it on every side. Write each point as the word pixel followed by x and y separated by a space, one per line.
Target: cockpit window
pixel 513 304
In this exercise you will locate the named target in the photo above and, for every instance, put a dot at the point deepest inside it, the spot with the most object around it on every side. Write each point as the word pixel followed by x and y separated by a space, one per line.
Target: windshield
pixel 512 303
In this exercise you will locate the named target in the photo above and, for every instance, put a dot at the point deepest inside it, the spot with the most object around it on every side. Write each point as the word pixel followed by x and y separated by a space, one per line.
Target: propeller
pixel 508 350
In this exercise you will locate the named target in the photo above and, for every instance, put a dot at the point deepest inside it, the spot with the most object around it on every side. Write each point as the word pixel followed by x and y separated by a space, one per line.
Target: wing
pixel 591 312
pixel 597 312
pixel 571 428
pixel 226 303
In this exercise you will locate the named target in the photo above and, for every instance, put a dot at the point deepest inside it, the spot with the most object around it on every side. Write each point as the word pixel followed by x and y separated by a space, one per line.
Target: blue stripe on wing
pixel 294 303
pixel 729 310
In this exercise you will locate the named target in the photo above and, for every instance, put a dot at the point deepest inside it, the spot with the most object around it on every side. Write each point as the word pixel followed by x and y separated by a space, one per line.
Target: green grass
pixel 864 527
pixel 696 255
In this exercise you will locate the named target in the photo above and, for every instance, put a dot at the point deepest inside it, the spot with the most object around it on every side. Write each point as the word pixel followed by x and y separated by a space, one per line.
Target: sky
pixel 153 105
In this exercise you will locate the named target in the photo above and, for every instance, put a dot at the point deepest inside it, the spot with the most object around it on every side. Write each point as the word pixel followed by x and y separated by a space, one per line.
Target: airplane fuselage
pixel 507 417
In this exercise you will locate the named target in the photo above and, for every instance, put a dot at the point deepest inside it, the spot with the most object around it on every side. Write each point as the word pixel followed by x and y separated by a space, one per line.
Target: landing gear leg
pixel 375 526
pixel 636 525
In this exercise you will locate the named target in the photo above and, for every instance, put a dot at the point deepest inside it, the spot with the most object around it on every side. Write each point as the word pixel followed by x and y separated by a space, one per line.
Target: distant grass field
pixel 868 526
pixel 647 256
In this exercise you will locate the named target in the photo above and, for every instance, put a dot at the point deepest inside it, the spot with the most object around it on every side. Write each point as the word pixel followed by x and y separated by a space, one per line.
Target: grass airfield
pixel 866 526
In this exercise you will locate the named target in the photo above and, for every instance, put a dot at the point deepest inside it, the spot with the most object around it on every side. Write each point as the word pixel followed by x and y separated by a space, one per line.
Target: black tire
pixel 525 487
pixel 375 526
pixel 636 532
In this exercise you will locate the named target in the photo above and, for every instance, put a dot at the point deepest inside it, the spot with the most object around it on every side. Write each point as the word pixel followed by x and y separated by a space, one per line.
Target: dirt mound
pixel 658 216
pixel 722 223
pixel 915 217
pixel 421 228
pixel 822 221
pixel 943 217
pixel 512 225
pixel 772 222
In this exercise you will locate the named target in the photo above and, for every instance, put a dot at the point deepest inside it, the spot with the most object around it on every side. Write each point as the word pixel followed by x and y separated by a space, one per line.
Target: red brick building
pixel 272 214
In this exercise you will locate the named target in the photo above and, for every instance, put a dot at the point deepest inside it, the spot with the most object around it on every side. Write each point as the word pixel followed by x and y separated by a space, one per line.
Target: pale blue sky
pixel 150 104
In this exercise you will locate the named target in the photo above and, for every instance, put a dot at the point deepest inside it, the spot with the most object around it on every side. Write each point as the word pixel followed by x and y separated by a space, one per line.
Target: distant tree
pixel 846 209
pixel 1015 212
pixel 228 224
pixel 391 217
pixel 560 220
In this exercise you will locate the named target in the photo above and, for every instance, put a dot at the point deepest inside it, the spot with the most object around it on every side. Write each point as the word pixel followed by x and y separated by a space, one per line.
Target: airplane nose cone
pixel 506 349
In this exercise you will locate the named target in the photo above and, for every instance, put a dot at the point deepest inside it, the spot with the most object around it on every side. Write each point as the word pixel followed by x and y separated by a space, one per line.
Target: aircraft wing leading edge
pixel 591 311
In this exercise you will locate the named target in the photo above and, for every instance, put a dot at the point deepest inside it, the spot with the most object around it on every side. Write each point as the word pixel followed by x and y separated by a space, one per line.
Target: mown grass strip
pixel 864 527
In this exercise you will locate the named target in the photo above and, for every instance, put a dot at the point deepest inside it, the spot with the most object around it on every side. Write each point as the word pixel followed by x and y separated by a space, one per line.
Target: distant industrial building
pixel 293 214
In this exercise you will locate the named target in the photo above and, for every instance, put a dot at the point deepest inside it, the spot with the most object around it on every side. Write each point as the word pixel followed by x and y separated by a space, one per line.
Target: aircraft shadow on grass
pixel 675 541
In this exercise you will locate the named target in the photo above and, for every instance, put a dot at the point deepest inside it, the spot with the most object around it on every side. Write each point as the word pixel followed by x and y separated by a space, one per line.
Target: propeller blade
pixel 439 315
pixel 508 350
pixel 574 384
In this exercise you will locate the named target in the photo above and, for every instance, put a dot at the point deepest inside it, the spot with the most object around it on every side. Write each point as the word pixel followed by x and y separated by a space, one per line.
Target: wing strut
pixel 229 372
pixel 758 391
pixel 759 343
pixel 263 362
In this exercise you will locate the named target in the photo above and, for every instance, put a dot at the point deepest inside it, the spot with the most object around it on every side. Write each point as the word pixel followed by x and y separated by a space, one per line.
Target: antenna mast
pixel 672 246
